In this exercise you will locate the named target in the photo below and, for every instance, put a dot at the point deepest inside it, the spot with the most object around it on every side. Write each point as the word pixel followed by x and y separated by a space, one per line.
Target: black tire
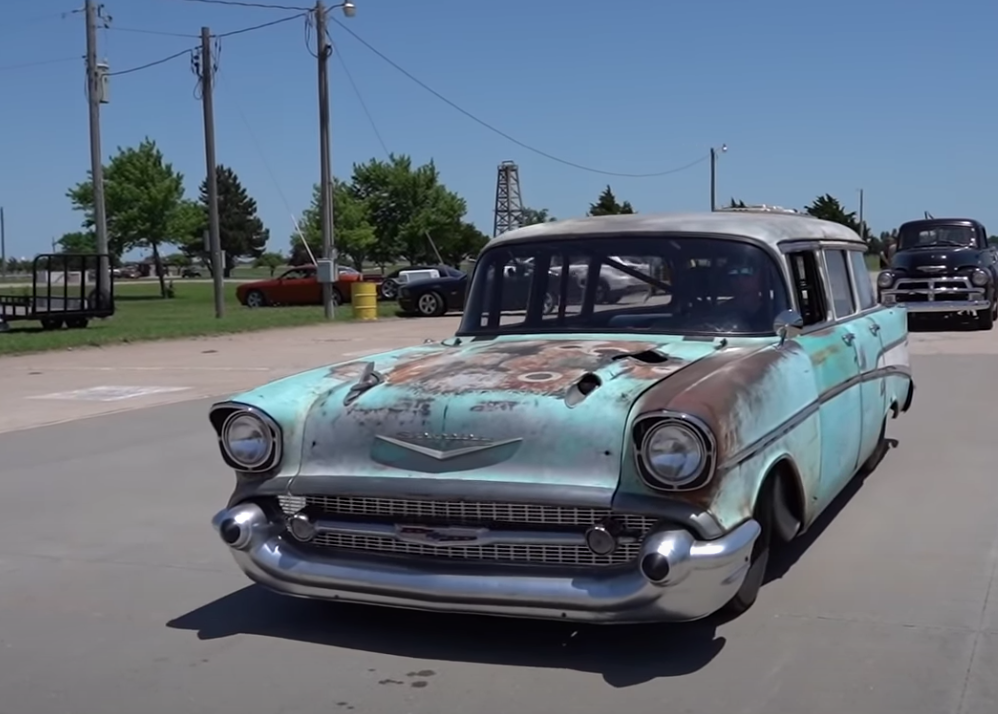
pixel 759 560
pixel 77 323
pixel 389 289
pixel 51 323
pixel 337 297
pixel 986 319
pixel 878 453
pixel 602 296
pixel 431 304
pixel 255 298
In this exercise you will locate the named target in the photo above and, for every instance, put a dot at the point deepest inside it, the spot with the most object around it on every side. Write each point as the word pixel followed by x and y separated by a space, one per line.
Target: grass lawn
pixel 141 315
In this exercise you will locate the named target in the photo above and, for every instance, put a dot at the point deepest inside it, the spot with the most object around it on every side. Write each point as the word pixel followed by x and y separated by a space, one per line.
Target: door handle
pixel 848 338
pixel 875 328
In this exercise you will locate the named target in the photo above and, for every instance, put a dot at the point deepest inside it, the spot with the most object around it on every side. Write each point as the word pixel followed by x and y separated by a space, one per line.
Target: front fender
pixel 761 407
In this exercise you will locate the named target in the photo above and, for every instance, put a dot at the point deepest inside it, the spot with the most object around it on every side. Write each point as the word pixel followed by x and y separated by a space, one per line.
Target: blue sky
pixel 897 97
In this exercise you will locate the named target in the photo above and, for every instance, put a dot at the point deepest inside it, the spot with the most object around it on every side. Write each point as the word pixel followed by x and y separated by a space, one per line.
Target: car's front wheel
pixel 431 305
pixel 759 560
pixel 986 318
pixel 255 298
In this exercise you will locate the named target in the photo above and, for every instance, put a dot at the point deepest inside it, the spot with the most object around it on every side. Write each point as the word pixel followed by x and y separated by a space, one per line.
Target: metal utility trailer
pixel 66 290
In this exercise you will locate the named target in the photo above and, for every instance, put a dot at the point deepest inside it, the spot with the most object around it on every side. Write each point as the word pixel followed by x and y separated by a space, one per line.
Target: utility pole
pixel 3 245
pixel 713 175
pixel 95 96
pixel 325 172
pixel 205 69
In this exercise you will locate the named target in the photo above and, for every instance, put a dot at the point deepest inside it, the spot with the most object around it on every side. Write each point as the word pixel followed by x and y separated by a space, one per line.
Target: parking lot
pixel 117 597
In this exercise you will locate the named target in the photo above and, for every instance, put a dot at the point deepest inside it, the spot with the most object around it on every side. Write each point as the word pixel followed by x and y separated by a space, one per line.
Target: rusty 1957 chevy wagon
pixel 562 457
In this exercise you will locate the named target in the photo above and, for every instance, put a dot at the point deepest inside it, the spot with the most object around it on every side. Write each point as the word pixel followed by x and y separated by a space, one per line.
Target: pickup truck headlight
pixel 250 441
pixel 885 279
pixel 676 453
pixel 979 277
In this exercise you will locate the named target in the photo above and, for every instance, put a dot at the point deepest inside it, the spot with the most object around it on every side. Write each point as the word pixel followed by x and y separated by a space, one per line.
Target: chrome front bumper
pixel 675 578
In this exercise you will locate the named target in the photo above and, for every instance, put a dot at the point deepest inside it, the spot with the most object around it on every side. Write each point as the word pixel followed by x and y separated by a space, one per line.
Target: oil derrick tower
pixel 509 203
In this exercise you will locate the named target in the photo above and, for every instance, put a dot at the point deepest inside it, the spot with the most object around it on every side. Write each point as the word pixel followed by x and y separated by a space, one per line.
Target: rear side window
pixel 807 286
pixel 838 282
pixel 864 286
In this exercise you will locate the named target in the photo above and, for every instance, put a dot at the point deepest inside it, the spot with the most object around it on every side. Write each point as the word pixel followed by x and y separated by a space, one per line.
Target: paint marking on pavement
pixel 108 393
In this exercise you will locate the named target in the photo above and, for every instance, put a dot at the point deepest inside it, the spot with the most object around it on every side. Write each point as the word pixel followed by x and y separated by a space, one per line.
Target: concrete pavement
pixel 53 387
pixel 115 595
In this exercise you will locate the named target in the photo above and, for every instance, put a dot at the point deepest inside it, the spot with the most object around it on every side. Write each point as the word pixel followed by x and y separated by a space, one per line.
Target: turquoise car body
pixel 807 404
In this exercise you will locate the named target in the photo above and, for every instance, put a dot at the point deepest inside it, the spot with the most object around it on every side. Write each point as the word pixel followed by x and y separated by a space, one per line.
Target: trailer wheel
pixel 77 323
pixel 51 323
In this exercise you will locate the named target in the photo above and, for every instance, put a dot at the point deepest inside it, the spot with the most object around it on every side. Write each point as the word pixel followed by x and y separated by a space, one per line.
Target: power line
pixel 151 32
pixel 261 26
pixel 189 50
pixel 263 6
pixel 360 98
pixel 42 63
pixel 503 134
pixel 154 63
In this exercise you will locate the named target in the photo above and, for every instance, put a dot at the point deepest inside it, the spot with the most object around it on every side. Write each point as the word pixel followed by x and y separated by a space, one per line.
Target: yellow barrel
pixel 364 296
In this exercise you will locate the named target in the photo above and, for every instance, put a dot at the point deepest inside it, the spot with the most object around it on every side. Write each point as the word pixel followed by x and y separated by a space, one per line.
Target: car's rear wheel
pixel 431 304
pixel 255 298
pixel 337 297
pixel 759 560
pixel 389 289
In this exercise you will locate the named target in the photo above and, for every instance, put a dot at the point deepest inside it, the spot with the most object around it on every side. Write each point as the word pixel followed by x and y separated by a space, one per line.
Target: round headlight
pixel 885 279
pixel 979 278
pixel 247 440
pixel 674 454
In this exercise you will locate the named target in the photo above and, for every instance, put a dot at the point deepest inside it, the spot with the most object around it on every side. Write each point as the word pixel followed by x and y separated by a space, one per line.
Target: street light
pixel 713 174
pixel 349 8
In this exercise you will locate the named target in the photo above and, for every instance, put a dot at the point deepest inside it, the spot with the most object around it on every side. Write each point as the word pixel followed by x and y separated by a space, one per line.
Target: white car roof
pixel 767 227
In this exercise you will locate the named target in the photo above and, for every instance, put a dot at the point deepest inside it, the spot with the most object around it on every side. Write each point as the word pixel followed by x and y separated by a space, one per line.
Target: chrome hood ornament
pixel 444 446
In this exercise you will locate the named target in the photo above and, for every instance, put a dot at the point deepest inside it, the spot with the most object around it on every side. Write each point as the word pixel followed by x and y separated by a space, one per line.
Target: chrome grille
pixel 459 513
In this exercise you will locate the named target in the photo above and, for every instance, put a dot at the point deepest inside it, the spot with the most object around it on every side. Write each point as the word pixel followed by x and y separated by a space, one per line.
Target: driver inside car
pixel 749 308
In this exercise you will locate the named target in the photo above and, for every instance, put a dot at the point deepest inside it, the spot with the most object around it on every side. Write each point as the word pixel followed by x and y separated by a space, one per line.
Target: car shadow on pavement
pixel 624 655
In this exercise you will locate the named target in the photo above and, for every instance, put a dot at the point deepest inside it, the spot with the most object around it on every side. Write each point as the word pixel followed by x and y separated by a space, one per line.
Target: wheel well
pixel 894 409
pixel 789 488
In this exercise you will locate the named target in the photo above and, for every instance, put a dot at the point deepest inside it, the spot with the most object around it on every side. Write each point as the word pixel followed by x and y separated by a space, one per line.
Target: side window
pixel 808 287
pixel 838 281
pixel 864 286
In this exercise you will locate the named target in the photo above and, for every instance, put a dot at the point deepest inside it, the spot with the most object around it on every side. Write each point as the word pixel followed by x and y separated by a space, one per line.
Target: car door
pixel 826 304
pixel 869 349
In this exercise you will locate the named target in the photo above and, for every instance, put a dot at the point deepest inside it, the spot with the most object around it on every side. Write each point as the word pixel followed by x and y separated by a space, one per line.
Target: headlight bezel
pixel 986 278
pixel 644 429
pixel 223 416
pixel 891 279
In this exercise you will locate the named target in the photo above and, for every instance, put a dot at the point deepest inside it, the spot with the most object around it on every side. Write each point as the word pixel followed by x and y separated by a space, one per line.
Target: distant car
pixel 389 288
pixel 433 297
pixel 191 271
pixel 943 265
pixel 297 286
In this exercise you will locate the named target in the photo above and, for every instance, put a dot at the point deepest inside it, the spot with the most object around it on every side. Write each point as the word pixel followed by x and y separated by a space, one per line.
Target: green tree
pixel 458 242
pixel 78 242
pixel 829 208
pixel 405 204
pixel 270 260
pixel 531 216
pixel 144 203
pixel 240 230
pixel 993 240
pixel 353 233
pixel 607 205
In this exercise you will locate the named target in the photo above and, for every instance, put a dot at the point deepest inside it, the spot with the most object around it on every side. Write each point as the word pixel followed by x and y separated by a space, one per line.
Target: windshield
pixel 664 284
pixel 937 235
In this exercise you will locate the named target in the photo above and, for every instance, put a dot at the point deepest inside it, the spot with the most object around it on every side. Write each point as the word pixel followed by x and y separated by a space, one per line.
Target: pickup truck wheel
pixel 986 319
pixel 759 560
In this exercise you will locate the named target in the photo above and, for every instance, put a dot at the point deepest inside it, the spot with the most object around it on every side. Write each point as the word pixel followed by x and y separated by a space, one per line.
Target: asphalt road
pixel 115 596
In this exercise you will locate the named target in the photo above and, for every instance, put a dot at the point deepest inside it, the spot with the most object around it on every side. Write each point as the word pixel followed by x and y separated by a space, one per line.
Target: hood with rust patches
pixel 434 399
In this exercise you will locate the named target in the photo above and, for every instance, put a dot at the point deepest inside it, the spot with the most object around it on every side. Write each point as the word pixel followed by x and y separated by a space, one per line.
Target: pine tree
pixel 241 231
pixel 606 205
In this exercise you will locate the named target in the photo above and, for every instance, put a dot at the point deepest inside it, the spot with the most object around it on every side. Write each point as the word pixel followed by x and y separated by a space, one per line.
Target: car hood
pixel 492 410
pixel 951 257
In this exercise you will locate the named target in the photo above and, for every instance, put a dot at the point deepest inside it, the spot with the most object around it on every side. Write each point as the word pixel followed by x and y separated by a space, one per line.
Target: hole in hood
pixel 646 356
pixel 583 387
